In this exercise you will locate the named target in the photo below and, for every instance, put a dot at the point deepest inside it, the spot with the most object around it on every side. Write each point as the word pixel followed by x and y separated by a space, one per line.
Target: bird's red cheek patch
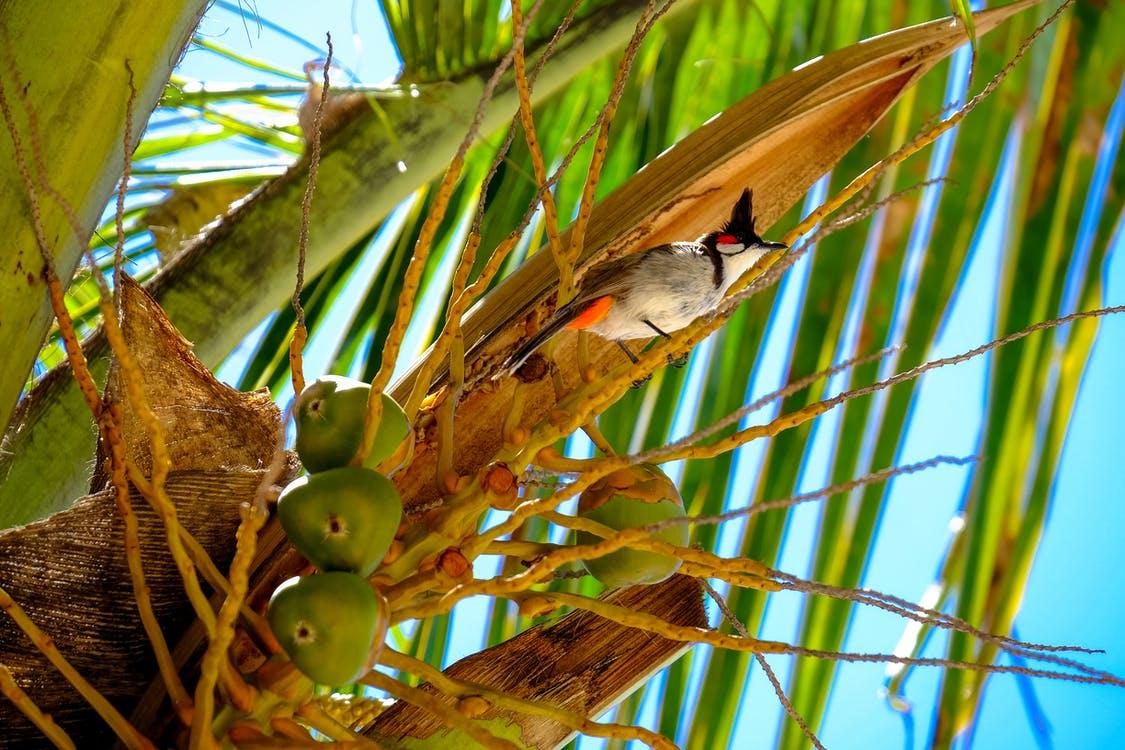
pixel 595 312
pixel 727 239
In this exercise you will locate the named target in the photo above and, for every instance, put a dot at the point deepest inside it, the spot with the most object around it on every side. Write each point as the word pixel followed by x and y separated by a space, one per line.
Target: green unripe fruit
pixel 341 519
pixel 329 416
pixel 639 496
pixel 326 623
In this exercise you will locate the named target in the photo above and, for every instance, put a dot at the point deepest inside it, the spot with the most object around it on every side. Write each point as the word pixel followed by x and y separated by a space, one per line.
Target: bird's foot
pixel 679 361
pixel 642 381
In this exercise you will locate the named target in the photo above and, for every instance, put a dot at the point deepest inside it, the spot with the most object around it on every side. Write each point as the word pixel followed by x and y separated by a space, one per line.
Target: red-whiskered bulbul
pixel 658 290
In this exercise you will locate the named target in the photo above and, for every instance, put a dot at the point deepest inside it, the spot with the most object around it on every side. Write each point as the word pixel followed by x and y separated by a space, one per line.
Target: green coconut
pixel 330 413
pixel 639 496
pixel 326 624
pixel 341 519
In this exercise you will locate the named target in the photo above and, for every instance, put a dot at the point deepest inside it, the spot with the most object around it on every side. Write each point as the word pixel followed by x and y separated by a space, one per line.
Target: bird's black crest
pixel 741 222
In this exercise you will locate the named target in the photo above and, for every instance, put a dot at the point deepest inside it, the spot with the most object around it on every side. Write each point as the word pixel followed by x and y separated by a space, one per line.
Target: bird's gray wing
pixel 609 278
pixel 612 277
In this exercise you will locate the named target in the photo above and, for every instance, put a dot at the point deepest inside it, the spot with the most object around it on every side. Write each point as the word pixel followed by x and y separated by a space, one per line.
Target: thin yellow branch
pixel 439 708
pixel 601 148
pixel 608 465
pixel 550 212
pixel 44 723
pixel 120 725
pixel 598 438
pixel 461 297
pixel 246 543
pixel 703 572
pixel 545 565
pixel 521 549
pixel 315 716
pixel 653 624
pixel 422 247
pixel 754 573
pixel 177 693
pixel 300 332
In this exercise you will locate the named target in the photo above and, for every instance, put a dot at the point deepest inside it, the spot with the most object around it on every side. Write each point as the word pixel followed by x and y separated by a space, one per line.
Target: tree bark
pixel 583 663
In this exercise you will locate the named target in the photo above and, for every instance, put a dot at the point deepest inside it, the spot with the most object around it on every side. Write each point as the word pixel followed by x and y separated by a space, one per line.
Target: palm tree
pixel 1028 157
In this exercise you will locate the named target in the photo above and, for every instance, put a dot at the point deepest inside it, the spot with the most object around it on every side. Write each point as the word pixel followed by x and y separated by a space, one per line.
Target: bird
pixel 659 290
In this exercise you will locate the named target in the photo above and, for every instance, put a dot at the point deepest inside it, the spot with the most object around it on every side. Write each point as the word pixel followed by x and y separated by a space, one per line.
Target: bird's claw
pixel 638 383
pixel 679 361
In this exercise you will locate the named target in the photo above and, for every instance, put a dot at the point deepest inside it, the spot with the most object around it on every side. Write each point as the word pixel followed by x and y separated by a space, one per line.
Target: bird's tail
pixel 558 321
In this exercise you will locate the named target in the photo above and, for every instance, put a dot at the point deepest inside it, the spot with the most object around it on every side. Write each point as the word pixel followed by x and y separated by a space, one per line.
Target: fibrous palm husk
pixel 69 571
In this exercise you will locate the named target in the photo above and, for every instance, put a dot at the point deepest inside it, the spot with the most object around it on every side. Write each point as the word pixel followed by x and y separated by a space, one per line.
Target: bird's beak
pixel 773 245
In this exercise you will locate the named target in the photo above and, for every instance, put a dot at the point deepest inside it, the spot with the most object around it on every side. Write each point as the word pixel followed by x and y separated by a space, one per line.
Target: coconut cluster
pixel 343 519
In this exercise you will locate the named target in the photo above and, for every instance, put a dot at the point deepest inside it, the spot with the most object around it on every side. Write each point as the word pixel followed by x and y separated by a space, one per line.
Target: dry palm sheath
pixel 659 290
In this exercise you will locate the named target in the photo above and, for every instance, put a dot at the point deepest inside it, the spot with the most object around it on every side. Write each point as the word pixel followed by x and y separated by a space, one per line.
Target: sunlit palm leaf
pixel 1011 493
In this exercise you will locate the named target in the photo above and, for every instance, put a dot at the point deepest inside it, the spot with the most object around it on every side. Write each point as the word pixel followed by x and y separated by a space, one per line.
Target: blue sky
pixel 1073 595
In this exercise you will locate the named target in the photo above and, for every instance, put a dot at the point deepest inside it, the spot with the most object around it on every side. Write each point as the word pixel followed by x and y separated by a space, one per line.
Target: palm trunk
pixel 67 61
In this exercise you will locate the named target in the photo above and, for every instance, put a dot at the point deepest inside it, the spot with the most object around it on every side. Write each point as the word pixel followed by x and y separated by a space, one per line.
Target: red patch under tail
pixel 595 312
